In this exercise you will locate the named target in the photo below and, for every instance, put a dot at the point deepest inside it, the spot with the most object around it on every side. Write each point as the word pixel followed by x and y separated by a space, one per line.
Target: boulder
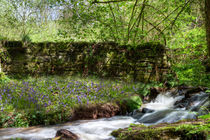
pixel 192 101
pixel 192 91
pixel 137 113
pixel 204 109
pixel 188 91
pixel 64 134
pixel 147 110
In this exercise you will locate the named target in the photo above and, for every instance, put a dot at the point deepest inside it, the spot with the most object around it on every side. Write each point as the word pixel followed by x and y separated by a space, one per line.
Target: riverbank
pixel 196 129
pixel 163 111
pixel 53 100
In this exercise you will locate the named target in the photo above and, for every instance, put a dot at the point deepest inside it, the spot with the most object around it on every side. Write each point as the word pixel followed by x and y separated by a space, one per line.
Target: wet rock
pixel 197 101
pixel 136 114
pixel 183 87
pixel 188 91
pixel 192 91
pixel 147 110
pixel 168 116
pixel 192 102
pixel 154 117
pixel 181 104
pixel 204 109
pixel 152 95
pixel 64 134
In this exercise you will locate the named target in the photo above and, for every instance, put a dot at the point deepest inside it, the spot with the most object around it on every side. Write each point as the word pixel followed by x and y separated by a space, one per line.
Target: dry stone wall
pixel 142 62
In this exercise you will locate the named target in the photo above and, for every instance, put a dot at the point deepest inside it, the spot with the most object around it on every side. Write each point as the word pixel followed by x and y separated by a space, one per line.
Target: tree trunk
pixel 207 13
pixel 0 66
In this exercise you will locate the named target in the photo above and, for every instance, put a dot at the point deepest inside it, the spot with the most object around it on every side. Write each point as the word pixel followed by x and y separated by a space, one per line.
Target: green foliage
pixel 132 103
pixel 207 116
pixel 3 78
pixel 13 119
pixel 192 73
pixel 26 38
pixel 123 22
pixel 188 56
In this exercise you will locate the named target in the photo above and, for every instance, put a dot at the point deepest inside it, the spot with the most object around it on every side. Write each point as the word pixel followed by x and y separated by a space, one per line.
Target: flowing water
pixel 162 110
pixel 86 130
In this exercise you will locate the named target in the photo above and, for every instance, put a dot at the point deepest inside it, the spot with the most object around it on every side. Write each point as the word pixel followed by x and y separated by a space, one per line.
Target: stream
pixel 164 109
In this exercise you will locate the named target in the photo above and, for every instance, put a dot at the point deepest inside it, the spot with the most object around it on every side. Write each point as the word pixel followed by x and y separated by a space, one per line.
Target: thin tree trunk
pixel 207 16
pixel 207 12
pixel 0 66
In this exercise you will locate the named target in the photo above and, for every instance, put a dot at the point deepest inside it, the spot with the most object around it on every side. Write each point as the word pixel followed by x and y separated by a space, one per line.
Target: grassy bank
pixel 51 100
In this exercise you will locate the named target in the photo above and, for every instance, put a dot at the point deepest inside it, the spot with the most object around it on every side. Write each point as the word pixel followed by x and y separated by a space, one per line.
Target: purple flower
pixel 78 98
pixel 88 90
pixel 135 89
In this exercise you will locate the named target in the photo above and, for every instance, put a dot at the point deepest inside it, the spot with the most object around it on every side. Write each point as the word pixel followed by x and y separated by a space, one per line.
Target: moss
pixel 186 131
pixel 130 103
pixel 103 59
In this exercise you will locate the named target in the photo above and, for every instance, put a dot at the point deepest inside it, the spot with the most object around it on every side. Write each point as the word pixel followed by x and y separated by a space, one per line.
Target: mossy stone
pixel 131 103
pixel 183 130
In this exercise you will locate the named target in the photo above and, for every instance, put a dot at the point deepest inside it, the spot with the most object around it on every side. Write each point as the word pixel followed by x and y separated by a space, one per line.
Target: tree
pixel 207 16
pixel 207 13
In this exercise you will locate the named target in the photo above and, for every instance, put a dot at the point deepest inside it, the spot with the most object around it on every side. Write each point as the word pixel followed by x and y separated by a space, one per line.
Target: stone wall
pixel 142 62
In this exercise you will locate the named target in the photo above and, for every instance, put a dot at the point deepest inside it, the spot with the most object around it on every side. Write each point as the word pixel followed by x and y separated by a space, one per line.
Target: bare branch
pixel 157 30
pixel 115 22
pixel 132 15
pixel 173 22
pixel 189 1
pixel 140 17
pixel 164 19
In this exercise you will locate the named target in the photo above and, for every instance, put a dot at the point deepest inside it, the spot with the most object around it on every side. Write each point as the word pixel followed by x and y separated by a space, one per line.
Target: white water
pixel 164 112
pixel 87 130
pixel 100 129
pixel 163 101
